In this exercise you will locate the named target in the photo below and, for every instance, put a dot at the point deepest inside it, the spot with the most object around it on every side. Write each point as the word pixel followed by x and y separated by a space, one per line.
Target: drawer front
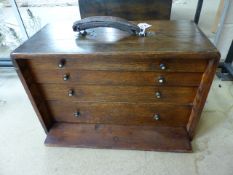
pixel 116 77
pixel 95 93
pixel 119 64
pixel 120 113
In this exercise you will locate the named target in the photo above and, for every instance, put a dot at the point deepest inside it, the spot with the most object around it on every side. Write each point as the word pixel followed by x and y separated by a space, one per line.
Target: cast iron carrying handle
pixel 106 21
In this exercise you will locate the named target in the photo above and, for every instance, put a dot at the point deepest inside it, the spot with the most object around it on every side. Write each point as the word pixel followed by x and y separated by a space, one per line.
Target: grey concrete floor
pixel 22 151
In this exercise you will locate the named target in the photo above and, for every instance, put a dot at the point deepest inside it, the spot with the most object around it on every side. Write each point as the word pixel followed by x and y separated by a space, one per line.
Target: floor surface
pixel 22 151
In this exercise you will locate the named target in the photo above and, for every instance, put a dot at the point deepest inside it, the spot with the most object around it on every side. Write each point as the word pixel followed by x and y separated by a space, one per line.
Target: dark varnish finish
pixel 201 96
pixel 120 113
pixel 167 40
pixel 147 138
pixel 113 90
pixel 130 9
pixel 95 93
pixel 115 63
pixel 116 78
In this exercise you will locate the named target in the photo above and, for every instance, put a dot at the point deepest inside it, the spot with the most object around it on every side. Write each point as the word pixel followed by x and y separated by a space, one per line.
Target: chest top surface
pixel 173 37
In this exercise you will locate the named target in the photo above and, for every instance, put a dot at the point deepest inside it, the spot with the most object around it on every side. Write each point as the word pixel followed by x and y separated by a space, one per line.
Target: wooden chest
pixel 112 90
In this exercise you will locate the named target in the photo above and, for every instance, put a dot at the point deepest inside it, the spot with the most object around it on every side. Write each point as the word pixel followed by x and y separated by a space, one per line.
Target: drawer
pixel 116 77
pixel 119 64
pixel 120 113
pixel 93 93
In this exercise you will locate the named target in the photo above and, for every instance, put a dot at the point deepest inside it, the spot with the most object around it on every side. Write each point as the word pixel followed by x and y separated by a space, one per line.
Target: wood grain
pixel 165 38
pixel 97 93
pixel 201 96
pixel 120 113
pixel 119 63
pixel 37 102
pixel 115 78
pixel 119 137
pixel 140 10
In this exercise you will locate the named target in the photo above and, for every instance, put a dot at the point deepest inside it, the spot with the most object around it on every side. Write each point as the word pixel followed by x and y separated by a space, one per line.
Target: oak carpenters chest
pixel 110 89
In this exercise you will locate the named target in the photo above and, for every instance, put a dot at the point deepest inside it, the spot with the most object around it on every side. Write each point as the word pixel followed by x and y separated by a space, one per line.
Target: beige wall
pixel 226 36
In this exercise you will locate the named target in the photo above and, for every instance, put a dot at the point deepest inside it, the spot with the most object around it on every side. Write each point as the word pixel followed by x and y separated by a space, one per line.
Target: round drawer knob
pixel 77 114
pixel 162 66
pixel 66 77
pixel 70 93
pixel 158 95
pixel 156 117
pixel 161 80
pixel 61 64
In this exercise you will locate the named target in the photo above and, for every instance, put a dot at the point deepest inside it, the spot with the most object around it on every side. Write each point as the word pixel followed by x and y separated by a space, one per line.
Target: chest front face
pixel 112 90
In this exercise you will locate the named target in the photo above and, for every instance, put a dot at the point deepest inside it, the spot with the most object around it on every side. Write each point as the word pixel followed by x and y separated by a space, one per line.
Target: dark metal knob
pixel 61 63
pixel 162 66
pixel 77 114
pixel 66 77
pixel 158 95
pixel 156 117
pixel 71 93
pixel 161 80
